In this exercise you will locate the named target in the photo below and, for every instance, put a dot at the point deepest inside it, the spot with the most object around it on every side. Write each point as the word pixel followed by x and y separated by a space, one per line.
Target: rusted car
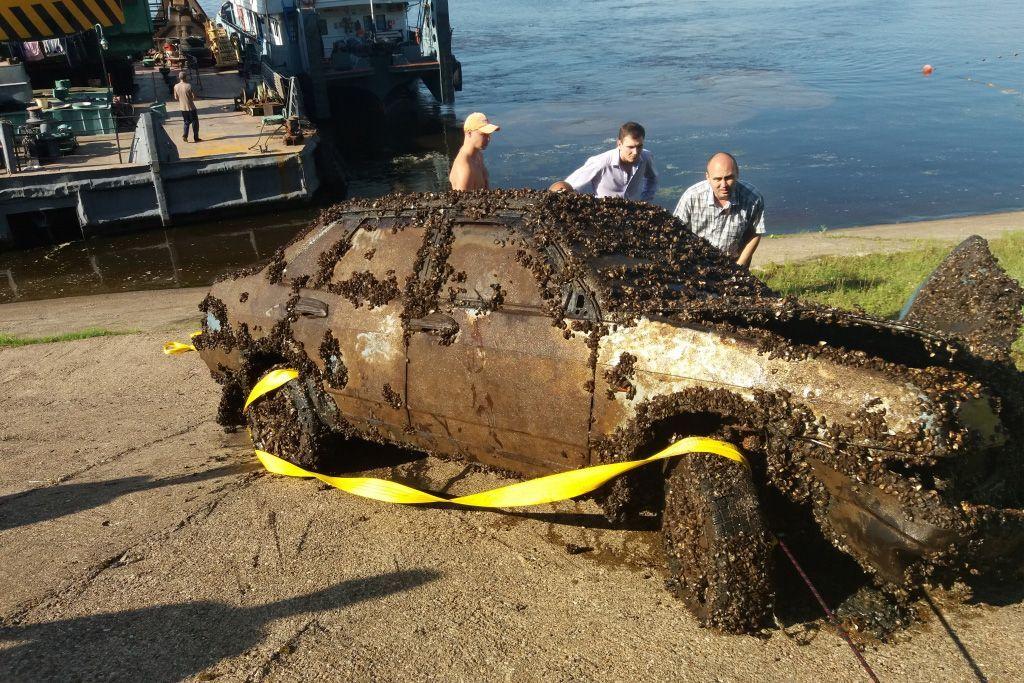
pixel 538 332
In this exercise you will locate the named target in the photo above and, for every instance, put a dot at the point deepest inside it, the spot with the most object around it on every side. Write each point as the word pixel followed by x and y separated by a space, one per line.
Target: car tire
pixel 288 423
pixel 717 544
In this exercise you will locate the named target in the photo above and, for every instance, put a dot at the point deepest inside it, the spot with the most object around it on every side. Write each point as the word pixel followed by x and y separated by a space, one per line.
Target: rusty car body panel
pixel 487 334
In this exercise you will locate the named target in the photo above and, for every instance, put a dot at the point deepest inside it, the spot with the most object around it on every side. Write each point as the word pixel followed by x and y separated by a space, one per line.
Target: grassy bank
pixel 8 340
pixel 881 283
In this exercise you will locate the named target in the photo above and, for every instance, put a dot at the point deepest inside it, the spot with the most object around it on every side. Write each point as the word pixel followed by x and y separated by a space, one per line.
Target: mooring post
pixel 7 142
pixel 152 155
pixel 443 27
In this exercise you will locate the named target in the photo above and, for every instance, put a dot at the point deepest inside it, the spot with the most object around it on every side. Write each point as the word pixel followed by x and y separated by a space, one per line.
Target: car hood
pixel 840 386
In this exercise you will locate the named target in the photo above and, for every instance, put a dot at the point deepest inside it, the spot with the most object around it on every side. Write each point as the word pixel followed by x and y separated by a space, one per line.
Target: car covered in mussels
pixel 538 332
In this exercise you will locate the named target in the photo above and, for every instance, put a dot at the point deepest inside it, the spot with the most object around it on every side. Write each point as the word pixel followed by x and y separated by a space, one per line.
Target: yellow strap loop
pixel 270 381
pixel 553 487
pixel 547 489
pixel 172 348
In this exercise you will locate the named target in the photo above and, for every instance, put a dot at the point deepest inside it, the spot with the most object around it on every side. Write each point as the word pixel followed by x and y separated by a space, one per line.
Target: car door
pixel 349 318
pixel 490 376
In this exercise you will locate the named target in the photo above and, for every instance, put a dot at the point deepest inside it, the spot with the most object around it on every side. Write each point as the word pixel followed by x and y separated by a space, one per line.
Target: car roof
pixel 637 257
pixel 640 258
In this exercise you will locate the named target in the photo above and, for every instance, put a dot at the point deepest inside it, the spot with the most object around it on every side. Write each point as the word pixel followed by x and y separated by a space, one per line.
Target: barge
pixel 149 176
pixel 345 51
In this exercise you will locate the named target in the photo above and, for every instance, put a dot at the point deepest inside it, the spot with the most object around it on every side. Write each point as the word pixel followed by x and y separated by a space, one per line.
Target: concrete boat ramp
pixel 150 176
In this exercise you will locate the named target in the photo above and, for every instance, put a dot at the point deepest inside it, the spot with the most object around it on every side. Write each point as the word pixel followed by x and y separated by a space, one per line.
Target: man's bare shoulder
pixel 461 162
pixel 461 173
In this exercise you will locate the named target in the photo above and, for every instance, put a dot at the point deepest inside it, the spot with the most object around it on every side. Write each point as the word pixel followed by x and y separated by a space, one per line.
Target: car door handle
pixel 435 322
pixel 311 308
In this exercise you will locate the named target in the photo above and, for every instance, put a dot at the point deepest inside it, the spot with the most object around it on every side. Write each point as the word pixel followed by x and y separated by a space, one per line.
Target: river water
pixel 824 104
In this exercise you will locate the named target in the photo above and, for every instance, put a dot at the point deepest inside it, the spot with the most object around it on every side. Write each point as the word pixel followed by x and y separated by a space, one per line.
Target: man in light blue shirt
pixel 626 171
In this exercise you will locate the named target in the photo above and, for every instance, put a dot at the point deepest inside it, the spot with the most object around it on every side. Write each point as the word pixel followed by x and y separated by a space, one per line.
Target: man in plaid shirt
pixel 725 211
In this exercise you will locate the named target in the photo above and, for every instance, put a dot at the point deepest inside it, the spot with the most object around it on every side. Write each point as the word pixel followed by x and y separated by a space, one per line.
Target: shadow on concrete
pixel 585 520
pixel 51 502
pixel 995 591
pixel 170 642
pixel 951 632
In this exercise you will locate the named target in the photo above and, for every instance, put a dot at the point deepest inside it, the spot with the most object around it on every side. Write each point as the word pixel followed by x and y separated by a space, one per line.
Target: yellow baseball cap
pixel 478 121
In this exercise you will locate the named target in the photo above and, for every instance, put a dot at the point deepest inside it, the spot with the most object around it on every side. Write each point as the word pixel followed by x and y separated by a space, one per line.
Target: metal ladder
pixel 158 13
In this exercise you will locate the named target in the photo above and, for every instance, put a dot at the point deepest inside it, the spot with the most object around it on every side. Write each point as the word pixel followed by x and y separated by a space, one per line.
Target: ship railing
pixel 287 88
pixel 94 140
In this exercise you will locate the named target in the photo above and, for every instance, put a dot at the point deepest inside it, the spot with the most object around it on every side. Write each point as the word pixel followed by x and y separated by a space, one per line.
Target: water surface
pixel 824 104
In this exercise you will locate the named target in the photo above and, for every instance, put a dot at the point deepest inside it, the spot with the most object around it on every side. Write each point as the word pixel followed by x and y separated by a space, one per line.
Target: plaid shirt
pixel 728 227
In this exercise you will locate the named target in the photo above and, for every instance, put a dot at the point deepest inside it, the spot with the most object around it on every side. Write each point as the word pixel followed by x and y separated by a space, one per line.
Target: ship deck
pixel 233 167
pixel 223 131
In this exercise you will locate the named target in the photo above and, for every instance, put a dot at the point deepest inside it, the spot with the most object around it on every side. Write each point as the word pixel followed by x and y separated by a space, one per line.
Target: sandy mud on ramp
pixel 138 541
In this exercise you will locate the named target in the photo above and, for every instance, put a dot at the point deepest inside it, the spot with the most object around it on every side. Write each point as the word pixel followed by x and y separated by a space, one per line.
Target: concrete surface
pixel 222 130
pixel 138 541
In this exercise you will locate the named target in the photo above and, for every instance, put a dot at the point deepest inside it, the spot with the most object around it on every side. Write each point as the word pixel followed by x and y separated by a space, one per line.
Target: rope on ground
pixel 828 613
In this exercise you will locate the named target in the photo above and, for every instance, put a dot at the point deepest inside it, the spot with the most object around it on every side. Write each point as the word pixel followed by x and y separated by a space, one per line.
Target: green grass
pixel 881 283
pixel 7 340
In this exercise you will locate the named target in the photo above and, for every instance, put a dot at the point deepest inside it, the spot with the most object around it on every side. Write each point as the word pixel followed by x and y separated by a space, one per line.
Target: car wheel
pixel 289 423
pixel 717 544
pixel 229 411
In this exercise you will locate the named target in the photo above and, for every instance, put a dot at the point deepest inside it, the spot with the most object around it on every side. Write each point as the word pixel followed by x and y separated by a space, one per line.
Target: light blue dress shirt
pixel 604 175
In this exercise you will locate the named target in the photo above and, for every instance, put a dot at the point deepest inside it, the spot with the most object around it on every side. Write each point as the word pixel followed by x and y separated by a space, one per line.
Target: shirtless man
pixel 468 170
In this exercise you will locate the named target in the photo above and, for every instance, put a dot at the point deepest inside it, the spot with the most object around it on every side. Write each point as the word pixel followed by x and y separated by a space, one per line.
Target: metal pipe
pixel 101 41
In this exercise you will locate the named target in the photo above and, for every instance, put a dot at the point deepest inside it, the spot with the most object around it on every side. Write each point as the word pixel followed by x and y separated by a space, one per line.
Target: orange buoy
pixel 927 69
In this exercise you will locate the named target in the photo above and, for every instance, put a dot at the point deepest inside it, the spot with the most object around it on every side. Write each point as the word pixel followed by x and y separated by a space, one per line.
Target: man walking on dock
pixel 187 102
pixel 626 171
pixel 724 210
pixel 468 170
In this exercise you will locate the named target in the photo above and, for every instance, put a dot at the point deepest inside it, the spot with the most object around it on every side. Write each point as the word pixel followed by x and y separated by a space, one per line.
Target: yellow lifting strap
pixel 270 381
pixel 548 489
pixel 553 487
pixel 173 348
